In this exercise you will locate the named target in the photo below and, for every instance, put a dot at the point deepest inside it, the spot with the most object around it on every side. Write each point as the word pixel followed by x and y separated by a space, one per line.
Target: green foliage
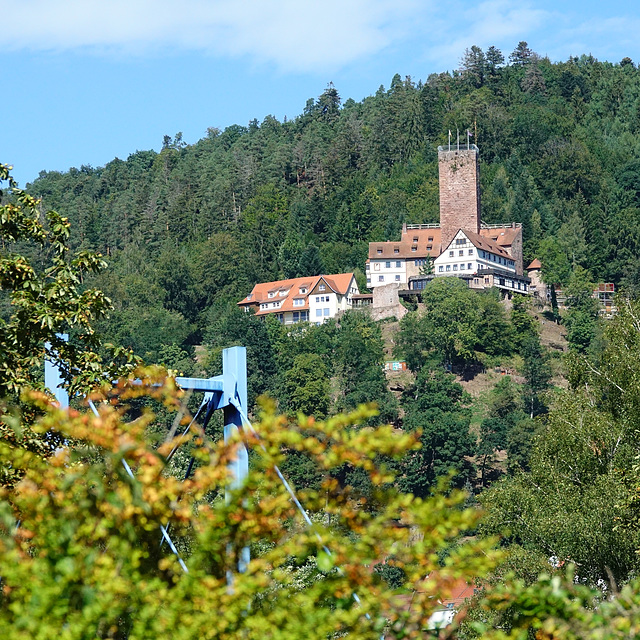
pixel 359 359
pixel 85 559
pixel 47 298
pixel 306 386
pixel 437 409
pixel 578 501
pixel 458 325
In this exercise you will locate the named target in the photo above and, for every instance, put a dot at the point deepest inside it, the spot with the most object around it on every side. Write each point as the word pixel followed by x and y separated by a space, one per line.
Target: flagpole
pixel 449 139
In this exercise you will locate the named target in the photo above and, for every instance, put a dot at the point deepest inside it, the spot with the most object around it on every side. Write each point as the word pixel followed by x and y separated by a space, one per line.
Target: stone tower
pixel 459 191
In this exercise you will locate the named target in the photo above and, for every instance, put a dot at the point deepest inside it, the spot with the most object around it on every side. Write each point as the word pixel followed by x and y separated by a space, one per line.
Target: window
pixel 321 287
pixel 451 254
pixel 470 252
pixel 440 268
pixel 414 248
pixel 460 240
pixel 397 278
pixel 380 278
pixel 448 267
pixel 298 302
pixel 430 238
pixel 462 267
pixel 379 251
pixel 470 266
pixel 296 316
pixel 415 238
pixel 282 293
pixel 428 247
pixel 326 311
pixel 318 313
pixel 271 294
pixel 376 266
pixel 396 250
pixel 398 263
pixel 455 267
pixel 388 264
pixel 461 252
pixel 317 298
pixel 303 290
pixel 304 316
pixel 502 281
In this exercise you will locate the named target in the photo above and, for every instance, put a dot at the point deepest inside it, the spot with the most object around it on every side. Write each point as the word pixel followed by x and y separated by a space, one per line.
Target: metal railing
pixel 506 225
pixel 458 146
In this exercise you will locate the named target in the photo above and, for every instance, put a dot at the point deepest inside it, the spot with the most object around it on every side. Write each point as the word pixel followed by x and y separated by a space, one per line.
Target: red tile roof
pixel 482 242
pixel 421 239
pixel 338 283
pixel 415 243
pixel 504 236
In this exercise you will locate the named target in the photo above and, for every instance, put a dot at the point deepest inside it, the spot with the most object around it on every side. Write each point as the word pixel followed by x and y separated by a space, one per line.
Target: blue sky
pixel 86 81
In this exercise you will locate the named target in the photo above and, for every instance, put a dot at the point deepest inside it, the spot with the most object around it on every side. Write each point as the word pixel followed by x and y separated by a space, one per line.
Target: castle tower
pixel 459 191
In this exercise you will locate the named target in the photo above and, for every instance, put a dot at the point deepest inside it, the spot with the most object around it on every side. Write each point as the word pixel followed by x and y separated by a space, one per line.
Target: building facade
pixel 310 299
pixel 421 246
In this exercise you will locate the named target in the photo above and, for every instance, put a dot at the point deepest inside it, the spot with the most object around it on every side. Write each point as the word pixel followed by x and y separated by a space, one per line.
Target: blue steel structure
pixel 227 392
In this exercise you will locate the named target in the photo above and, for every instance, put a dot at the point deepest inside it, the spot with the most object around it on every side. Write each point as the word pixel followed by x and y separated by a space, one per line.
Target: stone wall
pixel 386 302
pixel 516 252
pixel 459 192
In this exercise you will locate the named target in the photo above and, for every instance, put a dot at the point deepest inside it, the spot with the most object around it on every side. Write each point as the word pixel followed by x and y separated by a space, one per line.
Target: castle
pixel 461 245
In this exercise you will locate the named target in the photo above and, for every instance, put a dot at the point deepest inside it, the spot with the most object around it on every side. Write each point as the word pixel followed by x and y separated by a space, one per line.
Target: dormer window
pixel 303 290
pixel 428 247
pixel 250 296
pixel 430 238
pixel 283 293
pixel 379 251
pixel 396 250
pixel 415 238
pixel 271 294
pixel 414 248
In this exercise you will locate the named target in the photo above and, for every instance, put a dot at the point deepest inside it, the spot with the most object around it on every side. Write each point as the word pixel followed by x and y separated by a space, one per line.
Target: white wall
pixel 392 273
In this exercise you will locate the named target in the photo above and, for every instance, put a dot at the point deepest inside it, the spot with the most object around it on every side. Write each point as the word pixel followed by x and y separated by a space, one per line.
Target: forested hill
pixel 195 226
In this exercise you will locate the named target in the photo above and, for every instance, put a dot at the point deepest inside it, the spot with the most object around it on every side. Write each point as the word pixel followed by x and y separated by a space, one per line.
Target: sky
pixel 86 81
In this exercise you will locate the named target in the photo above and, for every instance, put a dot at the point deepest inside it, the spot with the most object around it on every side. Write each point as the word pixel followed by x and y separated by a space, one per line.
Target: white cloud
pixel 293 35
pixel 502 23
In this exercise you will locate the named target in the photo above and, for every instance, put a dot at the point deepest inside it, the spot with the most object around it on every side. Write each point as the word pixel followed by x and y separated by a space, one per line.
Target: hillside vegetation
pixel 189 230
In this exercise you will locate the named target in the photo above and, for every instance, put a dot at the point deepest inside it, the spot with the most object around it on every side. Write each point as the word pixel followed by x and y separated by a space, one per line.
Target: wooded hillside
pixel 189 230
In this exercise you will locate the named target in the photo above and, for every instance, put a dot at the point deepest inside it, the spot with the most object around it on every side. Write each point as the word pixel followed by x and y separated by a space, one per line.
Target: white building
pixel 469 253
pixel 310 299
